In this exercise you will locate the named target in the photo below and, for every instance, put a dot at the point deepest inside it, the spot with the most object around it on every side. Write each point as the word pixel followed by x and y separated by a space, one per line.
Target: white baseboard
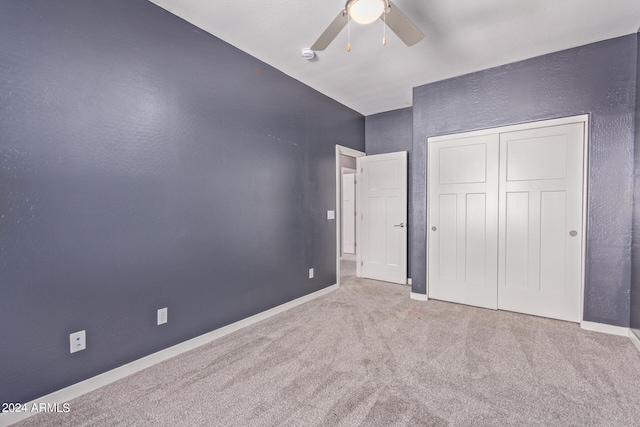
pixel 66 394
pixel 604 328
pixel 634 339
pixel 418 297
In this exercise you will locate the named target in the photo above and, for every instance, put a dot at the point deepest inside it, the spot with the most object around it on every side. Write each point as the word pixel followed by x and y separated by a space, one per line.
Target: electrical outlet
pixel 311 273
pixel 163 316
pixel 77 341
pixel 331 214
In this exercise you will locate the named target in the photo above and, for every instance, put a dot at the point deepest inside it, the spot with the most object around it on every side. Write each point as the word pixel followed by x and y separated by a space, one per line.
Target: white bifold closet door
pixel 505 220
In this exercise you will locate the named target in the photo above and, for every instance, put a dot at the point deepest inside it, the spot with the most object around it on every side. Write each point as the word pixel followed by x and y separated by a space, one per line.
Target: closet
pixel 505 218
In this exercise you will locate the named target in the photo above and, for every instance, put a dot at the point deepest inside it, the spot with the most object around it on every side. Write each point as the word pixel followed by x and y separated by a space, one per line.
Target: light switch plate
pixel 163 316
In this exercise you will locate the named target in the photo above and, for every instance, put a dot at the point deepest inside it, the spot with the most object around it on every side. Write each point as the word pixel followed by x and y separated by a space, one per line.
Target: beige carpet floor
pixel 367 355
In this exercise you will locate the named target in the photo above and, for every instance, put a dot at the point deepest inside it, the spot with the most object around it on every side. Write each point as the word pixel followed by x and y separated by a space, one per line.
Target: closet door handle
pixel 401 225
pixel 573 233
pixel 433 228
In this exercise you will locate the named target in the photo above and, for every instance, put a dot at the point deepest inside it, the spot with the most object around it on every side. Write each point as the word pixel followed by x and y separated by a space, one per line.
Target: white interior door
pixel 382 213
pixel 463 220
pixel 541 223
pixel 348 213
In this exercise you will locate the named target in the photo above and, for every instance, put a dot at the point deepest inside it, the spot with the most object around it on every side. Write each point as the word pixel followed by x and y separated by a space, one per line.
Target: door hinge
pixel 361 170
pixel 361 263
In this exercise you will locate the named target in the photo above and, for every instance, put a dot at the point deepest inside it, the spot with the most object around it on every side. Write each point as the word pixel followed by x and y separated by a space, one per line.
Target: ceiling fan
pixel 365 12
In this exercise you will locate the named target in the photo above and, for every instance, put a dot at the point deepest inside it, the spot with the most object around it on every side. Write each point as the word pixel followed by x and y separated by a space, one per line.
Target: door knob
pixel 433 228
pixel 573 233
pixel 401 225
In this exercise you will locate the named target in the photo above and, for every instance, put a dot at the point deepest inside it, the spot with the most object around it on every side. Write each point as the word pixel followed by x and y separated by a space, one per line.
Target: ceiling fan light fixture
pixel 365 11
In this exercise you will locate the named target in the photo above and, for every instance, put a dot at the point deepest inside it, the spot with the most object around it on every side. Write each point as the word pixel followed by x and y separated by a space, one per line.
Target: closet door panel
pixel 463 220
pixel 540 241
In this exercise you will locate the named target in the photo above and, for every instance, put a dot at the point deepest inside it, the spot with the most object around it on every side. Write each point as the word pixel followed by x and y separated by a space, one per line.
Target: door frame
pixel 584 119
pixel 346 171
pixel 351 153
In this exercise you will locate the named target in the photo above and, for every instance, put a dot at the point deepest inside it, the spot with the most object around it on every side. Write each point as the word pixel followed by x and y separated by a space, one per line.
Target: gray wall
pixel 599 79
pixel 390 132
pixel 635 251
pixel 146 164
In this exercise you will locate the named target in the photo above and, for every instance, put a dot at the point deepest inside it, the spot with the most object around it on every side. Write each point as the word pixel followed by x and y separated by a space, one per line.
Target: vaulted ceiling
pixel 461 36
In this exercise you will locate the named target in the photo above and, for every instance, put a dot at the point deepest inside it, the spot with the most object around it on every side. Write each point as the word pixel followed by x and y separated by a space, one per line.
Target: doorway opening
pixel 346 190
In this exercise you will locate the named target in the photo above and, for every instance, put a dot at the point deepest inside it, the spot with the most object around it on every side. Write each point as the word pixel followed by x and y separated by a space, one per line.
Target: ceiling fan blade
pixel 331 32
pixel 402 26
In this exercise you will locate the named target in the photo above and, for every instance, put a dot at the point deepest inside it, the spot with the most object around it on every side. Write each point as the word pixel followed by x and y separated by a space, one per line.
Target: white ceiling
pixel 462 36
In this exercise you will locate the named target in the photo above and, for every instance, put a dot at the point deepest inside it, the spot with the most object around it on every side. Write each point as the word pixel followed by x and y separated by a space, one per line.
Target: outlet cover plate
pixel 311 273
pixel 77 341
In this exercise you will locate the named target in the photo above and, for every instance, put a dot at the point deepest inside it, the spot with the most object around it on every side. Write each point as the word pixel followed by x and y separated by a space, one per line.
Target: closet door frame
pixel 525 126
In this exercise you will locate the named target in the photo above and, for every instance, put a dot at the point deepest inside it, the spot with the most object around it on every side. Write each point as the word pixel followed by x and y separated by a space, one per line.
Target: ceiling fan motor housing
pixel 370 11
pixel 366 11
